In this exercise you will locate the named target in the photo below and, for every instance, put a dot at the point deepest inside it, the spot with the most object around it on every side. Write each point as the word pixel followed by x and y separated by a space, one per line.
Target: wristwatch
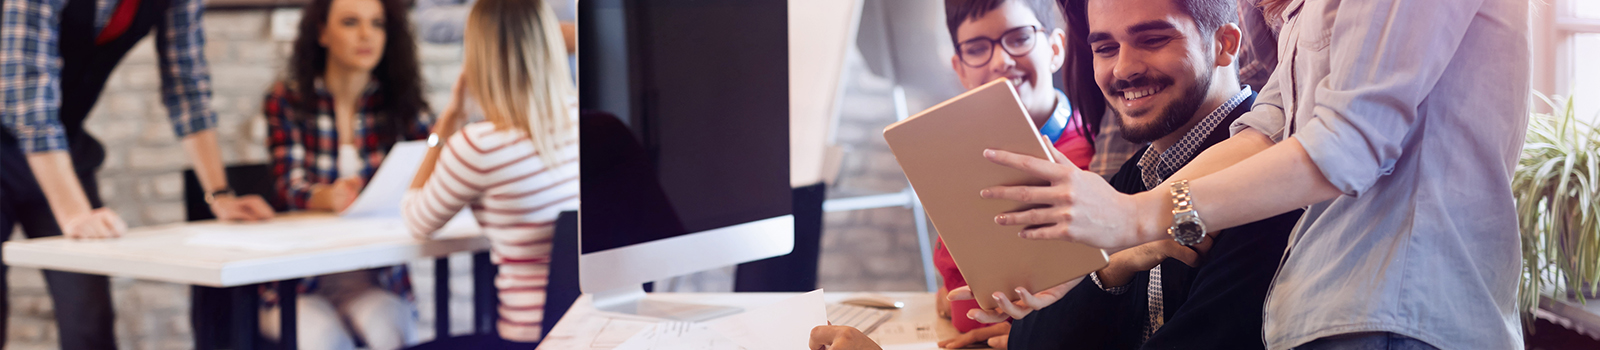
pixel 1186 226
pixel 211 197
pixel 433 140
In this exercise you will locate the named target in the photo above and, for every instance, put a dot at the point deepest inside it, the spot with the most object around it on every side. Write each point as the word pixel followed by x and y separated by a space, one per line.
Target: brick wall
pixel 142 178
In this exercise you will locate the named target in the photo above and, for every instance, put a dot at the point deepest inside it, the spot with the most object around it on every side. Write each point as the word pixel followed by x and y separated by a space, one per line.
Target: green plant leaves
pixel 1557 189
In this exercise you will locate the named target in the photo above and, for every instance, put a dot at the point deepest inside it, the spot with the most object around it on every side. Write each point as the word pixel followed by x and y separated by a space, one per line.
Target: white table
pixel 580 327
pixel 162 253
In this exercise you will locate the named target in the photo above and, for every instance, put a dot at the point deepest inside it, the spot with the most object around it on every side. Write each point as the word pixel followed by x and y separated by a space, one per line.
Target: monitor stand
pixel 632 301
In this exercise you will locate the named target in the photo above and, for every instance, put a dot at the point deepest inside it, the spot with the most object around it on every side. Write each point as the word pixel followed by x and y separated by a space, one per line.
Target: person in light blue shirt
pixel 1397 124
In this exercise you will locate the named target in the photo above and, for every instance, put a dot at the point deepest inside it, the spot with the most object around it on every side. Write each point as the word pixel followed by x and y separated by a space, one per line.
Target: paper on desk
pixel 783 325
pixel 678 336
pixel 280 236
pixel 905 332
pixel 381 196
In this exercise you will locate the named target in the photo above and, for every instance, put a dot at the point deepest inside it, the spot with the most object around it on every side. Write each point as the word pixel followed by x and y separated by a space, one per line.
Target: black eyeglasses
pixel 977 52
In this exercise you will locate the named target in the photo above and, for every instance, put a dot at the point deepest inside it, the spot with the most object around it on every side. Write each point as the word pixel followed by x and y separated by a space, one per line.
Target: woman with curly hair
pixel 353 90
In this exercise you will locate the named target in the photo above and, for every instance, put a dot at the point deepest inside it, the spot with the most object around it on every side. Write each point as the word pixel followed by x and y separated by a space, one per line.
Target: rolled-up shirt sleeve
pixel 30 69
pixel 1266 116
pixel 1385 57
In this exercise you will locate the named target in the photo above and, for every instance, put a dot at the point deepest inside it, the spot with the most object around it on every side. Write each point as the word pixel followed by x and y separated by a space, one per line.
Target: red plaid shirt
pixel 305 153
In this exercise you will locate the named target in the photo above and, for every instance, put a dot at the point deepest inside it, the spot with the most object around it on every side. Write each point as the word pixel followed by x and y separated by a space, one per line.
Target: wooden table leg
pixel 288 292
pixel 441 297
pixel 485 300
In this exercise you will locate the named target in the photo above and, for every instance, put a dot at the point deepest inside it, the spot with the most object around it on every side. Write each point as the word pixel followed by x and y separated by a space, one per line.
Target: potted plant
pixel 1557 190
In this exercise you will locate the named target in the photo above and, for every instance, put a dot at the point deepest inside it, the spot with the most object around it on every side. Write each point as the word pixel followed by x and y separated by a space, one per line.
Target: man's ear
pixel 1227 44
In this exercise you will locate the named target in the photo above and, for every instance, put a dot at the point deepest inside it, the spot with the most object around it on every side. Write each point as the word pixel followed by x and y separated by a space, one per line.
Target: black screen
pixel 685 123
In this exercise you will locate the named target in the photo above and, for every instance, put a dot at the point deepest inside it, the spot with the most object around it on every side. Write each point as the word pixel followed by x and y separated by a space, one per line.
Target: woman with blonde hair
pixel 518 168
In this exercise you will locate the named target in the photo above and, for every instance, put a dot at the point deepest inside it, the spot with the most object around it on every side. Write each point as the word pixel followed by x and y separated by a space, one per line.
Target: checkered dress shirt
pixel 1110 149
pixel 1155 167
pixel 30 68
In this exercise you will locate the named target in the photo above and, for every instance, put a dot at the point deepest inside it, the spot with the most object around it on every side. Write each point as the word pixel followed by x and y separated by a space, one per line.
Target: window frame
pixel 1560 35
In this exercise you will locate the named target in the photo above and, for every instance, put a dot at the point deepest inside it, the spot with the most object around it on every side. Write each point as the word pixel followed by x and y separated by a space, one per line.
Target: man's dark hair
pixel 960 11
pixel 1210 14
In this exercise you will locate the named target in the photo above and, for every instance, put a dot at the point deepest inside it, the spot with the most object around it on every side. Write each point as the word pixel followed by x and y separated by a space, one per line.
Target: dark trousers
pixel 82 302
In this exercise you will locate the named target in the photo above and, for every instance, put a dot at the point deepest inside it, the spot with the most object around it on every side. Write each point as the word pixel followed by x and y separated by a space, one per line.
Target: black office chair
pixel 797 271
pixel 561 290
pixel 211 309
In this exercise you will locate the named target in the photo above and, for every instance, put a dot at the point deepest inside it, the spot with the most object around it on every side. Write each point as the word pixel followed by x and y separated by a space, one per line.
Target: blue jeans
pixel 1367 341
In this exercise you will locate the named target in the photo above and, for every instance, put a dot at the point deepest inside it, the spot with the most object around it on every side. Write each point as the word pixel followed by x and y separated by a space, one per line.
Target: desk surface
pixel 164 253
pixel 581 326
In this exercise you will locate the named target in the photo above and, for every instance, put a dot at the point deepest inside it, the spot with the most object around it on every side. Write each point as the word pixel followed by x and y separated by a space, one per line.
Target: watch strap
pixel 211 197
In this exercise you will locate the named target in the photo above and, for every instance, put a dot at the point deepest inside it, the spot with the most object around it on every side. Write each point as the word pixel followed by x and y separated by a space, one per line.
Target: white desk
pixel 581 325
pixel 162 253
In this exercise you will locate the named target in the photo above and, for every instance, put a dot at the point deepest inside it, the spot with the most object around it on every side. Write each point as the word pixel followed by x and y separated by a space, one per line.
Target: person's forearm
pixel 428 162
pixel 1114 275
pixel 1277 180
pixel 59 182
pixel 207 159
pixel 1246 143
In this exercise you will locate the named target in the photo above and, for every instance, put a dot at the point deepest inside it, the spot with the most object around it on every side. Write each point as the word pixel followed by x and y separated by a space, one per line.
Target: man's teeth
pixel 1134 95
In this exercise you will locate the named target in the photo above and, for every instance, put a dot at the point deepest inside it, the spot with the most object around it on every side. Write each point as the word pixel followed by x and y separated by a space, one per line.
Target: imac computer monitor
pixel 684 142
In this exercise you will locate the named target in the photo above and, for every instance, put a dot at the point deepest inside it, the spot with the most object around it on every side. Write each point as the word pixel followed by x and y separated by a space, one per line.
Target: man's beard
pixel 1171 118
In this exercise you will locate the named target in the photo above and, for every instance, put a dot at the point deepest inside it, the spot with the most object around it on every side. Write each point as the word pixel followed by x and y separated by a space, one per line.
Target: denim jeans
pixel 1367 341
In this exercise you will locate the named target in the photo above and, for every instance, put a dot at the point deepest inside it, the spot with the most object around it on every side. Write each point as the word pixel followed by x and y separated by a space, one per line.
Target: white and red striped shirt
pixel 515 197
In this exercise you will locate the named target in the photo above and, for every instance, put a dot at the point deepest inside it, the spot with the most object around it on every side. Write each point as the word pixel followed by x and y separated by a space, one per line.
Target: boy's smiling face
pixel 1029 73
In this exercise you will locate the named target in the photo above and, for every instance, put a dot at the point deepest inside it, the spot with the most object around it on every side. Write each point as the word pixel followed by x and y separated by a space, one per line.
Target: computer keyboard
pixel 865 319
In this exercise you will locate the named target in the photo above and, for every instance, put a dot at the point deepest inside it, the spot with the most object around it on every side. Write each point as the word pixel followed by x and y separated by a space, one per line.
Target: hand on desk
pixel 840 338
pixel 336 196
pixel 345 192
pixel 242 208
pixel 96 224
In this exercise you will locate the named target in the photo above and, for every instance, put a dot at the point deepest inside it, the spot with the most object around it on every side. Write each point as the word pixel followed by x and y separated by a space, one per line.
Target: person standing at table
pixel 352 91
pixel 55 57
pixel 518 169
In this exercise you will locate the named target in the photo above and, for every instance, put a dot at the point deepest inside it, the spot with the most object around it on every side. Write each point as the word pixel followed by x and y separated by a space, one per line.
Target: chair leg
pixel 441 297
pixel 288 305
pixel 485 299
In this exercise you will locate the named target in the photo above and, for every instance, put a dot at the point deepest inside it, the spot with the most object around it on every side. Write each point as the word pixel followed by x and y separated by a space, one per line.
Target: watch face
pixel 1188 232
